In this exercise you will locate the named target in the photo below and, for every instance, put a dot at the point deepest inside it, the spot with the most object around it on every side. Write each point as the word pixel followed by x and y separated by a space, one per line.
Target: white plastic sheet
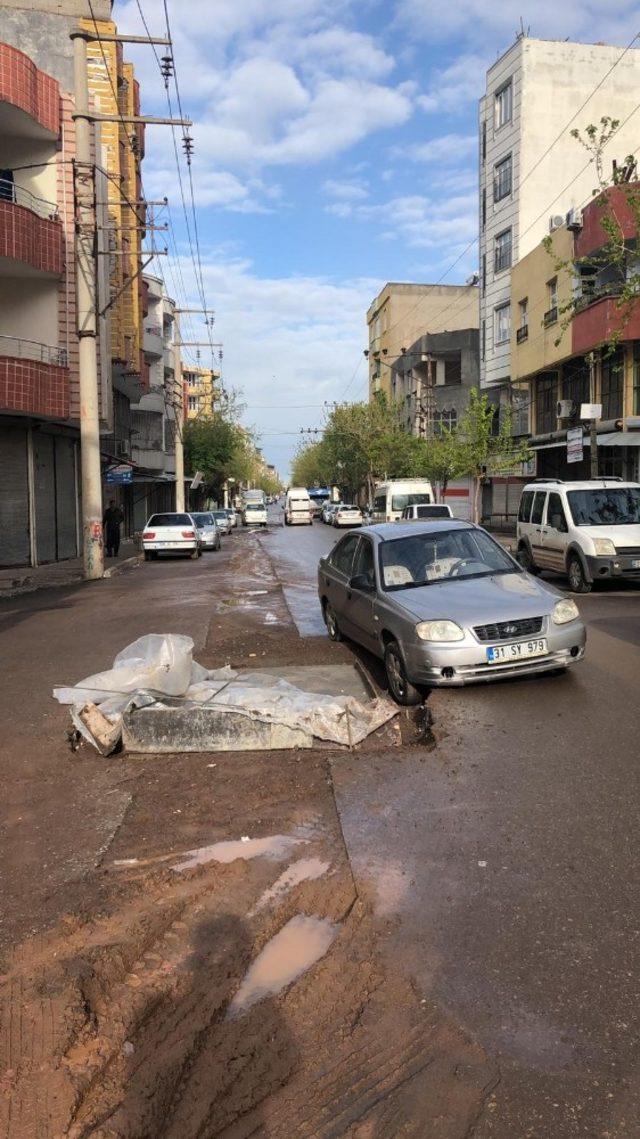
pixel 159 671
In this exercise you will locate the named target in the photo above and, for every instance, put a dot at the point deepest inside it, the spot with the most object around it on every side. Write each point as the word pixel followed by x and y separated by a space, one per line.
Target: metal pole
pixel 593 429
pixel 179 408
pixel 84 177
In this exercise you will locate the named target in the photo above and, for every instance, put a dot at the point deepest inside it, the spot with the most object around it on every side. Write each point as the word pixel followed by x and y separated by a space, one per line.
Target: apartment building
pixel 532 170
pixel 401 313
pixel 39 378
pixel 563 363
pixel 201 390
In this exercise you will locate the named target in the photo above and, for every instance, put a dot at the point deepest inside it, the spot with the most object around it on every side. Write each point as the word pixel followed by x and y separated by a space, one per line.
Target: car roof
pixel 386 531
pixel 578 484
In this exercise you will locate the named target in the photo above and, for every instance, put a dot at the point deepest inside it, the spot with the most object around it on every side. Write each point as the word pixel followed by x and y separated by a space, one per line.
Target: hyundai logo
pixel 510 630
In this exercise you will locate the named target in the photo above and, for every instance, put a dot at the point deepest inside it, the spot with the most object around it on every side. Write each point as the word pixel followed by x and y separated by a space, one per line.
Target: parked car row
pixel 188 532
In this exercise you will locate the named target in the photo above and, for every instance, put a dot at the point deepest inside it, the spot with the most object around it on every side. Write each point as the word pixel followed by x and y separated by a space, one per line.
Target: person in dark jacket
pixel 113 516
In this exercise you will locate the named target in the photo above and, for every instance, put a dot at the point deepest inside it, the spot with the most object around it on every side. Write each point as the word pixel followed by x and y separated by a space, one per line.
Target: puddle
pixel 298 945
pixel 273 846
pixel 305 870
pixel 271 619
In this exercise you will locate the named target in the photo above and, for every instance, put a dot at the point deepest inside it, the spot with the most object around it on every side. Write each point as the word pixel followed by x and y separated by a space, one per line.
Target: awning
pixel 619 439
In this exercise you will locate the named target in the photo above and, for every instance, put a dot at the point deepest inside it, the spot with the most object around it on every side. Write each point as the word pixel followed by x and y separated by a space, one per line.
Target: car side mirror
pixel 363 582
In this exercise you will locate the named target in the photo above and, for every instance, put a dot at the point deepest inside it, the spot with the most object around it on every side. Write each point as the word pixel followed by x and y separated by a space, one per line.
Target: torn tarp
pixel 170 703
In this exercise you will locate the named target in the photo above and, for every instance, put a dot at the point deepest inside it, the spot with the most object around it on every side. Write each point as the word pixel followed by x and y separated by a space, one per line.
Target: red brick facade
pixel 31 239
pixel 35 388
pixel 25 86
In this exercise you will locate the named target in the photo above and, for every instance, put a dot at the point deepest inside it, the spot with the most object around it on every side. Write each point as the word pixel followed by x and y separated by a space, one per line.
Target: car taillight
pixel 149 535
pixel 188 534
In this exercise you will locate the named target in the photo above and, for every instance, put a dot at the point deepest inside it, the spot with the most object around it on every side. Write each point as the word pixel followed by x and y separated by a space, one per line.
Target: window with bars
pixel 612 384
pixel 445 420
pixel 576 384
pixel 546 403
pixel 502 250
pixel 636 378
pixel 502 179
pixel 503 105
pixel 520 400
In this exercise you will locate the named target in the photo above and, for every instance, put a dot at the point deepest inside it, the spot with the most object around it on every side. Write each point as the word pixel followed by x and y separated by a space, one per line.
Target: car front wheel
pixel 577 580
pixel 525 560
pixel 402 690
pixel 331 621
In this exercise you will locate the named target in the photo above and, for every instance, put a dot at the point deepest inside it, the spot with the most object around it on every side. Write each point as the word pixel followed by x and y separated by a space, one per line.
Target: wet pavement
pixel 506 860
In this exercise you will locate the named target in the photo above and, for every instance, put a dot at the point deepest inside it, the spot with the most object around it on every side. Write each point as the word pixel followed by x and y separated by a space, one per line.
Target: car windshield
pixel 254 506
pixel 170 520
pixel 443 555
pixel 203 519
pixel 399 501
pixel 606 506
pixel 221 514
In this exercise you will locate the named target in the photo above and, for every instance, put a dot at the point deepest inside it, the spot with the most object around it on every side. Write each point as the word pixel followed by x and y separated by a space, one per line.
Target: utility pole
pixel 85 225
pixel 86 261
pixel 593 423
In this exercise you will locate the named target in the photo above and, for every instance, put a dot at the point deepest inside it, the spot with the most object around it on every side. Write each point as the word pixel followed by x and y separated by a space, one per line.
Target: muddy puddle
pixel 272 846
pixel 305 870
pixel 297 946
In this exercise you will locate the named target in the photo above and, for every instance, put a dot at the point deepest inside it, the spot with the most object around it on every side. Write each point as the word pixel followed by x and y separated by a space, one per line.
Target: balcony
pixel 550 317
pixel 29 98
pixel 522 333
pixel 596 323
pixel 153 340
pixel 31 237
pixel 34 378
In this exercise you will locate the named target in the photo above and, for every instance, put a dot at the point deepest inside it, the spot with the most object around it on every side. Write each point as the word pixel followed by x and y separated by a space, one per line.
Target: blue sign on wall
pixel 123 473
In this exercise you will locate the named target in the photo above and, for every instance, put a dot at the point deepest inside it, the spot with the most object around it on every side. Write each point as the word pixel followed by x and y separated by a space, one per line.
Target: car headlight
pixel 439 631
pixel 604 547
pixel 565 611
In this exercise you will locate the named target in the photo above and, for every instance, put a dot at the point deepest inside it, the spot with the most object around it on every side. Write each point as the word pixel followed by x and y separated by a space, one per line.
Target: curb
pixel 123 566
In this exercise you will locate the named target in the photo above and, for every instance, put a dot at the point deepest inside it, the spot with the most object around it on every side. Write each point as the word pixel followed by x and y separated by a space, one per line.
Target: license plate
pixel 169 545
pixel 635 563
pixel 500 654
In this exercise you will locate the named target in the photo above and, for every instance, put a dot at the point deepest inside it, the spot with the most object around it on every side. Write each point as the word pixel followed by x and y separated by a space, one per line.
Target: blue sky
pixel 334 149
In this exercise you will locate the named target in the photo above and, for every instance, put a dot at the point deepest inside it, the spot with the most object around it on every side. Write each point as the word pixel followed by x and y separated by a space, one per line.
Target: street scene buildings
pixel 318 709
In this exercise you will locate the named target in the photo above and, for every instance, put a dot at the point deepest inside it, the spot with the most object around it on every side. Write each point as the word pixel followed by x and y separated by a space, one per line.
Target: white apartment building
pixel 532 170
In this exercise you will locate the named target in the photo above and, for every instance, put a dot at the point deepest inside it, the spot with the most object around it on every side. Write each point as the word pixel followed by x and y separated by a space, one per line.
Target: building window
pixel 519 411
pixel 483 346
pixel 502 179
pixel 551 315
pixel 484 272
pixel 523 320
pixel 192 403
pixel 483 209
pixel 445 421
pixel 502 324
pixel 546 402
pixel 453 369
pixel 503 105
pixel 636 378
pixel 612 384
pixel 502 251
pixel 576 382
pixel 484 141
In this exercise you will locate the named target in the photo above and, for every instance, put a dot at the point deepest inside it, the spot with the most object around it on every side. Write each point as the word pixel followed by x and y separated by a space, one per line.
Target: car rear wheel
pixel 526 561
pixel 577 579
pixel 402 690
pixel 331 621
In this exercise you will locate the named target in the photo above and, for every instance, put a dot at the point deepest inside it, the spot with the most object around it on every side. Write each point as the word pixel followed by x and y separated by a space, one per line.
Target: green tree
pixel 446 459
pixel 483 450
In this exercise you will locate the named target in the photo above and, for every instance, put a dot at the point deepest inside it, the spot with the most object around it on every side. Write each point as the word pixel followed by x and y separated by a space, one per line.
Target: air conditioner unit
pixel 574 219
pixel 123 448
pixel 566 409
pixel 555 221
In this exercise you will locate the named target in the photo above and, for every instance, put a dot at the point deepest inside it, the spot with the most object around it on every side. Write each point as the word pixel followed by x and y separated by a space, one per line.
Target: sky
pixel 334 150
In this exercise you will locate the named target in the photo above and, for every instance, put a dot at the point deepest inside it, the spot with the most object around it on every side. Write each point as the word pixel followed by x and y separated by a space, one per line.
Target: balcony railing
pixel 522 333
pixel 551 316
pixel 22 349
pixel 9 192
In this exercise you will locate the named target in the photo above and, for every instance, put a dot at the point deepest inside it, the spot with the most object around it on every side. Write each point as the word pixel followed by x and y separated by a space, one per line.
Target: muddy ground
pixel 118 1014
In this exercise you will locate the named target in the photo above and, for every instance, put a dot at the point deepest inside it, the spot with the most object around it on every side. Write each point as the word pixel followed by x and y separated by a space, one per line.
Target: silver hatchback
pixel 442 603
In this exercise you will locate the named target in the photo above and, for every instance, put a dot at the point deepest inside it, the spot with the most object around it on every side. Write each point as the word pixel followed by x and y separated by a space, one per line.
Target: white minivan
pixel 588 530
pixel 298 509
pixel 391 498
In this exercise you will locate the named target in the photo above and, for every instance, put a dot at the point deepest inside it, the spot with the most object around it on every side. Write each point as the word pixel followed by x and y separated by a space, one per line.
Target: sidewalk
pixel 24 579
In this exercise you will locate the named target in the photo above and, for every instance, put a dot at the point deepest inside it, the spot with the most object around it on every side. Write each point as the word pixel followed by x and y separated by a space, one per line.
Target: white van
pixel 391 498
pixel 298 510
pixel 589 530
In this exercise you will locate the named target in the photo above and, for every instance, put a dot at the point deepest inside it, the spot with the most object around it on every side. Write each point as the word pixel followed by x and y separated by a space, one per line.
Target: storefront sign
pixel 591 411
pixel 123 473
pixel 575 451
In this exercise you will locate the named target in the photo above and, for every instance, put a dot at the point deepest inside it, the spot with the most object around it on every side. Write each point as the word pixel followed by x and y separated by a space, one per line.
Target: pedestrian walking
pixel 113 516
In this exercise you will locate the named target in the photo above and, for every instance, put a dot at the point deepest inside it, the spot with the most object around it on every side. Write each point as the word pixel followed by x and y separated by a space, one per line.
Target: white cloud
pixel 345 191
pixel 496 25
pixel 447 149
pixel 454 88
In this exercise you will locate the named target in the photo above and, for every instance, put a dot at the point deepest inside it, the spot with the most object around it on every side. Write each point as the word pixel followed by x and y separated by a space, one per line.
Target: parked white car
pixel 254 514
pixel 346 515
pixel 208 529
pixel 589 530
pixel 171 533
pixel 427 512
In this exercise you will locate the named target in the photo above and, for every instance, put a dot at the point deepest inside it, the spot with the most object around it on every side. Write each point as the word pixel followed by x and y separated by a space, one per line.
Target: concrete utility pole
pixel 84 171
pixel 593 423
pixel 179 414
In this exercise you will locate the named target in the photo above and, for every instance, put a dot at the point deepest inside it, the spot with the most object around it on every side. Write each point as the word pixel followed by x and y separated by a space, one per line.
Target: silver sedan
pixel 442 603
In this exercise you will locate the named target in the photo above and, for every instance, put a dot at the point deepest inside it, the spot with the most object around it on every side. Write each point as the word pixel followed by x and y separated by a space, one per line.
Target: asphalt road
pixel 507 862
